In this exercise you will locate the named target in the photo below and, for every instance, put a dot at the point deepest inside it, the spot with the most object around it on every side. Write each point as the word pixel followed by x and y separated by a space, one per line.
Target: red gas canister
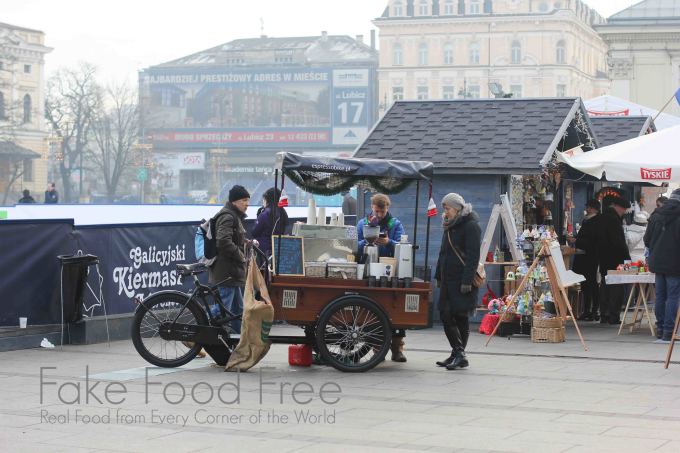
pixel 300 355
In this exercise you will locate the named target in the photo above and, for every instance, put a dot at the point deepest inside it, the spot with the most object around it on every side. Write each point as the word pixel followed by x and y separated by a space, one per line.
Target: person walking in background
pixel 51 194
pixel 586 264
pixel 663 240
pixel 349 204
pixel 271 220
pixel 27 198
pixel 456 267
pixel 229 269
pixel 612 250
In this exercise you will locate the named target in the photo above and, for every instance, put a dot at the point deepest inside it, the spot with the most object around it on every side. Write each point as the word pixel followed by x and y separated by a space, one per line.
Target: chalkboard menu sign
pixel 290 260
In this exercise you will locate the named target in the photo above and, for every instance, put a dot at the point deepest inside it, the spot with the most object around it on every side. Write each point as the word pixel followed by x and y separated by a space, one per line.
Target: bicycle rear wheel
pixel 156 311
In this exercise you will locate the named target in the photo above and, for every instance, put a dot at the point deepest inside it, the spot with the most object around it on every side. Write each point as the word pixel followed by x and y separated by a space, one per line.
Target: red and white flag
pixel 283 199
pixel 431 208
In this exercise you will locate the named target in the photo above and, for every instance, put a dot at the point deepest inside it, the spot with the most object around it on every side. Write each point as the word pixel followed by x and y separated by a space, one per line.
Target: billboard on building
pixel 291 107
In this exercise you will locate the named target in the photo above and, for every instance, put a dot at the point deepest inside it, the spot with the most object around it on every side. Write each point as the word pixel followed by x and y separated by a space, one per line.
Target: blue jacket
pixel 394 230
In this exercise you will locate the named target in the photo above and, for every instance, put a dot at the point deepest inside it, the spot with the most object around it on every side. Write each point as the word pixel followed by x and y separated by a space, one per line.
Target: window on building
pixel 516 52
pixel 2 106
pixel 560 52
pixel 28 170
pixel 473 91
pixel 488 6
pixel 422 54
pixel 449 10
pixel 27 108
pixel 424 8
pixel 474 7
pixel 397 9
pixel 423 93
pixel 561 91
pixel 516 91
pixel 27 68
pixel 474 53
pixel 448 92
pixel 461 6
pixel 543 7
pixel 397 93
pixel 448 53
pixel 397 55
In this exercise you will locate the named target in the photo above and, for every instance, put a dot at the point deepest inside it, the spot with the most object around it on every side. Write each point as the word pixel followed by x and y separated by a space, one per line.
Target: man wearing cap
pixel 663 239
pixel 612 250
pixel 586 264
pixel 229 269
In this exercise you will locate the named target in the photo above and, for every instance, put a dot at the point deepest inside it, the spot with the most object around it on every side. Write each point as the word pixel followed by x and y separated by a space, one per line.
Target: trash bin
pixel 74 270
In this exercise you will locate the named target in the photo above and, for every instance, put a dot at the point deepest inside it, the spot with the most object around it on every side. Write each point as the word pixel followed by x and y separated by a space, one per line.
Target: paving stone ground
pixel 515 397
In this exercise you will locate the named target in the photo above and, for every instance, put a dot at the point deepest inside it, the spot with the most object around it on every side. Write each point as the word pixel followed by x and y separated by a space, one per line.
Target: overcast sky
pixel 123 36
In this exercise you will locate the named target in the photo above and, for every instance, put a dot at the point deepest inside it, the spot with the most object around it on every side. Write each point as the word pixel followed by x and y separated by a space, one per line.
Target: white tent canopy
pixel 652 158
pixel 612 106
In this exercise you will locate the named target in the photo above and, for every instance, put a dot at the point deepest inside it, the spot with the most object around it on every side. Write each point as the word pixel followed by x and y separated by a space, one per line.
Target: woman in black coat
pixel 456 267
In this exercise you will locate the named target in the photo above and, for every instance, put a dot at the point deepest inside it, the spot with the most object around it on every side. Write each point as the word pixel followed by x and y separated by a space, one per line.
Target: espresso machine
pixel 371 254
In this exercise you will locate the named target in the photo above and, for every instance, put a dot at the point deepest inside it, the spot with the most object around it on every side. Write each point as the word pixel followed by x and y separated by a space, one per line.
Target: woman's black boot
pixel 448 360
pixel 459 361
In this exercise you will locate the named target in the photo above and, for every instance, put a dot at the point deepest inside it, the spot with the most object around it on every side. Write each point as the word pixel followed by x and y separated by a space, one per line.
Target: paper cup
pixel 23 322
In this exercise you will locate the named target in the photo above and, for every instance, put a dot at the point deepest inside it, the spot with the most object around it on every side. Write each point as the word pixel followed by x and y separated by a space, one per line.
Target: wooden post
pixel 674 337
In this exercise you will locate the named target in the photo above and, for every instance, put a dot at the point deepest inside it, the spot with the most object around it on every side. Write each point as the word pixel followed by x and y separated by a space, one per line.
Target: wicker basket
pixel 546 323
pixel 508 316
pixel 549 335
pixel 315 269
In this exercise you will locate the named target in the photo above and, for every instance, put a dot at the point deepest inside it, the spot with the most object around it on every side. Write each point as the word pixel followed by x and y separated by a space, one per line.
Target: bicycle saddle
pixel 191 269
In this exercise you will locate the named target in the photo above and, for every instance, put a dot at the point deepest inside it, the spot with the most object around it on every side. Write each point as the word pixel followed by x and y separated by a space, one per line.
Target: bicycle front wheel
pixel 156 311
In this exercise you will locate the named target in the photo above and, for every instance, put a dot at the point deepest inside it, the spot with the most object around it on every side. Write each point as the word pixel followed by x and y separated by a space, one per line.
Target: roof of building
pixel 318 49
pixel 497 136
pixel 649 9
pixel 11 149
pixel 15 27
pixel 615 129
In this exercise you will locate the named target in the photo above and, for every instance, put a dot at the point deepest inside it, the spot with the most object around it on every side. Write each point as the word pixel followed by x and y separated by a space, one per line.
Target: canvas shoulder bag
pixel 479 279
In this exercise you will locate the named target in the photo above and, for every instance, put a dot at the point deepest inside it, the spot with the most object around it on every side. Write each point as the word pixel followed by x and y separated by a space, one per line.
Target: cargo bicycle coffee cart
pixel 348 319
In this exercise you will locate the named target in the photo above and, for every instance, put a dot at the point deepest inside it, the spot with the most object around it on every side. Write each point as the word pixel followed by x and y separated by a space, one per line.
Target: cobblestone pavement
pixel 516 396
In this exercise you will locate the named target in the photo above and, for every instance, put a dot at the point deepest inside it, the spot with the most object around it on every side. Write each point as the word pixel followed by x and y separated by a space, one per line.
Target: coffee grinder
pixel 371 254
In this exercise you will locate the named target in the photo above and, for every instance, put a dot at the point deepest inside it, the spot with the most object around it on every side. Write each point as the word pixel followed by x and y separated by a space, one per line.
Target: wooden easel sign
pixel 504 212
pixel 559 279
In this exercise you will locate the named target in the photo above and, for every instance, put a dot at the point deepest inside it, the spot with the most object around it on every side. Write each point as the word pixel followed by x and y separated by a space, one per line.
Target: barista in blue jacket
pixel 391 230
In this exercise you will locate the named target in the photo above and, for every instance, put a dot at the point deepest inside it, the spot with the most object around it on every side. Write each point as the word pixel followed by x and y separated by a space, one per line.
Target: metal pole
pixel 415 226
pixel 80 184
pixel 426 275
pixel 278 247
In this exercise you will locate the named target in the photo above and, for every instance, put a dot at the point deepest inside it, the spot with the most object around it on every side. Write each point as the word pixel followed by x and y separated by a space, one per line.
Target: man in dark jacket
pixel 51 194
pixel 229 269
pixel 27 198
pixel 612 250
pixel 586 264
pixel 663 240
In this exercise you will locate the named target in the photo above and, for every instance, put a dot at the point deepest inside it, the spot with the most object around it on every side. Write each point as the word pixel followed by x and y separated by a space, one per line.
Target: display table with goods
pixel 643 287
